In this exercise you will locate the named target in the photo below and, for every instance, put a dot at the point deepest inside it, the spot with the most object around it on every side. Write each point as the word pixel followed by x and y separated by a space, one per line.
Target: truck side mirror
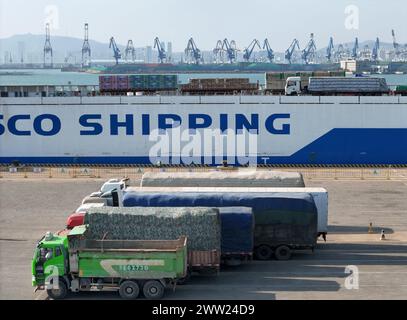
pixel 48 255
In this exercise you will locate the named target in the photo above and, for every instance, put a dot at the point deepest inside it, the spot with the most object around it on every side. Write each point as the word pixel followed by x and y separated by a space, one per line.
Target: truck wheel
pixel 283 253
pixel 60 293
pixel 153 290
pixel 129 290
pixel 263 253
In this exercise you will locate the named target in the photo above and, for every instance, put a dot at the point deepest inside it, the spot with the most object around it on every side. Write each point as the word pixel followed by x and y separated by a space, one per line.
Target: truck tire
pixel 153 290
pixel 283 253
pixel 60 293
pixel 263 253
pixel 129 290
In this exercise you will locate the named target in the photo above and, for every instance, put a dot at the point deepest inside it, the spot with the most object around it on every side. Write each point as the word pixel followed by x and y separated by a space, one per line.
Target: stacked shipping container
pixel 131 83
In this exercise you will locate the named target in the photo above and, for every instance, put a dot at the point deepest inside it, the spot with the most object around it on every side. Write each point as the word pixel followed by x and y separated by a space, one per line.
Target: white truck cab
pixel 293 86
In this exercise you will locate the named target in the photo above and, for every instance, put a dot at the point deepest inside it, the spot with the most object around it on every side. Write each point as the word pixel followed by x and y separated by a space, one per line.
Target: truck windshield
pixel 290 83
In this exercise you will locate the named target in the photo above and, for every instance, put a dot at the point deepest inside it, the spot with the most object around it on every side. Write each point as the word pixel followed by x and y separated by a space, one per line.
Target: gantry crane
pixel 308 54
pixel 355 50
pixel 116 51
pixel 192 53
pixel 130 52
pixel 249 50
pixel 290 51
pixel 396 45
pixel 162 55
pixel 330 49
pixel 375 50
pixel 218 52
pixel 270 52
pixel 230 50
pixel 48 53
pixel 86 52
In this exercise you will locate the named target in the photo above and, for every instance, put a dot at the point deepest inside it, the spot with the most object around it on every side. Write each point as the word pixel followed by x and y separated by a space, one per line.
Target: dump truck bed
pixel 132 259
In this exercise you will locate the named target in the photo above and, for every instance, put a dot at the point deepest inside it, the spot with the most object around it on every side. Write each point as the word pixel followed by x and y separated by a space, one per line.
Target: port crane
pixel 130 52
pixel 218 52
pixel 230 49
pixel 249 50
pixel 396 45
pixel 308 54
pixel 330 49
pixel 48 53
pixel 86 51
pixel 375 50
pixel 270 52
pixel 70 59
pixel 192 53
pixel 355 49
pixel 162 55
pixel 116 51
pixel 290 51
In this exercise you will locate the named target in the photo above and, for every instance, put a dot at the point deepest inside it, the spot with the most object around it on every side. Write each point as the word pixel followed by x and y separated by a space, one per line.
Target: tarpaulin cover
pixel 296 202
pixel 237 230
pixel 279 217
pixel 272 179
pixel 202 226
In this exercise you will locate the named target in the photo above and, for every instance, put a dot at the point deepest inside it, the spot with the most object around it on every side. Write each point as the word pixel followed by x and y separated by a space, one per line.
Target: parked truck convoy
pixel 77 262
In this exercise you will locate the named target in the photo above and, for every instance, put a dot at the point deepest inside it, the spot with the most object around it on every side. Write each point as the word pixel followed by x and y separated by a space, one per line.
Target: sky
pixel 209 20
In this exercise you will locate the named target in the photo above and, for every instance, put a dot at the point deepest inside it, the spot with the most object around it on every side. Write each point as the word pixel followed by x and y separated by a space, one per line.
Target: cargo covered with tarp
pixel 347 85
pixel 237 230
pixel 271 179
pixel 279 217
pixel 201 226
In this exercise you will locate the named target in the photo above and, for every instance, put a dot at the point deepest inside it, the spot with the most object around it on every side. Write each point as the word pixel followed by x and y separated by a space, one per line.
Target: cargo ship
pixel 169 128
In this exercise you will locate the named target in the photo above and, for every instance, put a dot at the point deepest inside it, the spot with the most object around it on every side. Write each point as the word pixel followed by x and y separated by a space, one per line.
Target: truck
pixel 283 221
pixel 319 195
pixel 76 262
pixel 240 178
pixel 320 86
pixel 276 81
pixel 237 234
pixel 202 227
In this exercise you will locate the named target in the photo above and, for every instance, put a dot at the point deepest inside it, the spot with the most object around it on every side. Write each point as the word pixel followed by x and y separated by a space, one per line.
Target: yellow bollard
pixel 371 228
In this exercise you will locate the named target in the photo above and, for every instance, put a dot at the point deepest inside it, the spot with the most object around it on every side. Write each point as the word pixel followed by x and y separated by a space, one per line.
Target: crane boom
pixel 116 51
pixel 330 49
pixel 310 50
pixel 130 51
pixel 192 52
pixel 270 52
pixel 375 51
pixel 355 49
pixel 290 51
pixel 162 55
pixel 230 49
pixel 249 50
pixel 86 51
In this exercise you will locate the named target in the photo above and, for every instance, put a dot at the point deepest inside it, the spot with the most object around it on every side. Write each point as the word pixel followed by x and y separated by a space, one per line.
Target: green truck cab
pixel 75 263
